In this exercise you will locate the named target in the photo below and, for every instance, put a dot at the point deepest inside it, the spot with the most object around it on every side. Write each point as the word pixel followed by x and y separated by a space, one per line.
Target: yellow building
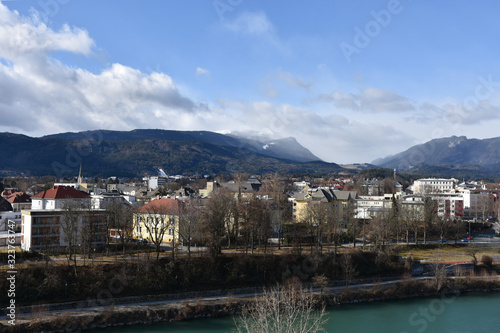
pixel 158 220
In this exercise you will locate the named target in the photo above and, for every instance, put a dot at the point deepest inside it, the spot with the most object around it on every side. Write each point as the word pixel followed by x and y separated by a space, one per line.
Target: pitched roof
pixel 61 192
pixel 18 197
pixel 163 206
pixel 8 192
pixel 345 195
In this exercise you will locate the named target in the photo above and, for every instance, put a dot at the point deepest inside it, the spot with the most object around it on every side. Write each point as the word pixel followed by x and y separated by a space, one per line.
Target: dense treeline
pixel 49 283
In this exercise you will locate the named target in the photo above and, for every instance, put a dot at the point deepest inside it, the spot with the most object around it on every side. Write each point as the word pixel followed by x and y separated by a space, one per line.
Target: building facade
pixel 61 216
pixel 158 220
pixel 433 185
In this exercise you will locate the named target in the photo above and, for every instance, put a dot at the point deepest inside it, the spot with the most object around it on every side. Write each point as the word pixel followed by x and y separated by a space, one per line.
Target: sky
pixel 352 81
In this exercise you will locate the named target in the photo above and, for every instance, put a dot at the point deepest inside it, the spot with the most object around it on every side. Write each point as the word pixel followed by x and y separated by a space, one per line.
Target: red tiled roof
pixel 163 206
pixel 18 197
pixel 6 193
pixel 61 192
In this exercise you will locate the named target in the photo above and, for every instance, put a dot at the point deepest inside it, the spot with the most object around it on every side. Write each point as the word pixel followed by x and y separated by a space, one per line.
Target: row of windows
pixel 45 230
pixel 45 241
pixel 170 230
pixel 14 217
pixel 46 220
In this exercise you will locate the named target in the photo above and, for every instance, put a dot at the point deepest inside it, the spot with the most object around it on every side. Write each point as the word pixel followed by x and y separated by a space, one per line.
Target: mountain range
pixel 140 152
pixel 287 148
pixel 457 156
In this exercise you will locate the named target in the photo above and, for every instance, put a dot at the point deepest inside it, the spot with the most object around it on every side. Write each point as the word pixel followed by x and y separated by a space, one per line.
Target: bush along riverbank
pixel 56 282
pixel 73 321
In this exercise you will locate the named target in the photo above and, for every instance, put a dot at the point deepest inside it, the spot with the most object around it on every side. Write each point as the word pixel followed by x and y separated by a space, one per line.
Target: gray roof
pixel 326 195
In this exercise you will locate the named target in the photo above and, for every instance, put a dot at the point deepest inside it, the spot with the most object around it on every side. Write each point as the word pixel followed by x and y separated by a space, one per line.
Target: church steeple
pixel 80 178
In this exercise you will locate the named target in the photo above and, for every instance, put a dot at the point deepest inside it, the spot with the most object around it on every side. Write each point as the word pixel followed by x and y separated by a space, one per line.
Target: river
pixel 446 314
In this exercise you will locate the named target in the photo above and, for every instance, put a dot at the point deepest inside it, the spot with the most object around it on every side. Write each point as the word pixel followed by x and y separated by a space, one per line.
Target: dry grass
pixel 448 253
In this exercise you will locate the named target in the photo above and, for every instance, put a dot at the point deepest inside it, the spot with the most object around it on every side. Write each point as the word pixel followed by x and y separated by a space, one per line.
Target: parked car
pixel 444 240
pixel 464 240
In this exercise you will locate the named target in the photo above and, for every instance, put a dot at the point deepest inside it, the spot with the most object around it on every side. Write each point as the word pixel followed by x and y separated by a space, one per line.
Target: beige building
pixel 337 201
pixel 158 220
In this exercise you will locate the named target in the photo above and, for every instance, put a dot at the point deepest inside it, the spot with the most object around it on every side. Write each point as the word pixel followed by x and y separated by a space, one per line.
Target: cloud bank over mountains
pixel 41 93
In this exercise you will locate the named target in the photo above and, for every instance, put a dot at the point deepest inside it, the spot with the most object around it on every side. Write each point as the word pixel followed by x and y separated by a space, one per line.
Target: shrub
pixel 487 261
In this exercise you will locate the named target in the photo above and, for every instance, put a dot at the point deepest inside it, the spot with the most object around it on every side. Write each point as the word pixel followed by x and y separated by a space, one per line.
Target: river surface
pixel 446 314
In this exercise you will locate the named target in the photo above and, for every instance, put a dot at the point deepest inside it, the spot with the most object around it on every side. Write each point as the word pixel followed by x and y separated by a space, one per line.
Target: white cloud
pixel 294 81
pixel 40 95
pixel 332 137
pixel 272 85
pixel 369 100
pixel 202 71
pixel 20 37
pixel 55 97
pixel 251 23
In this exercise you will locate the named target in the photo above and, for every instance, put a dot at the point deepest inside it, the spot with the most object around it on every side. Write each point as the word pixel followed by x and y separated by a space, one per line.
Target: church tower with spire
pixel 80 178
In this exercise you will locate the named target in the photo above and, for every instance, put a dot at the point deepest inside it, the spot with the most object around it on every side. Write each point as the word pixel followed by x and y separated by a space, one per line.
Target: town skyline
pixel 351 82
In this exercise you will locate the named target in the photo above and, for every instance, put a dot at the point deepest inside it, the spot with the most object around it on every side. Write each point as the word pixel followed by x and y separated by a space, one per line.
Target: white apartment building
pixel 368 207
pixel 45 225
pixel 433 185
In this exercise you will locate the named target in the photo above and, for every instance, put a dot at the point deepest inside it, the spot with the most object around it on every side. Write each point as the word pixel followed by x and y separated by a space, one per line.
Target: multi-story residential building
pixel 433 185
pixel 445 205
pixel 336 201
pixel 370 206
pixel 60 216
pixel 449 205
pixel 58 197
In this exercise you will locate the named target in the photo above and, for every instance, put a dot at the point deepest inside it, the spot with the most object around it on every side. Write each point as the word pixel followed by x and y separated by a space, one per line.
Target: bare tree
pixel 353 224
pixel 289 308
pixel 281 208
pixel 443 226
pixel 411 216
pixel 216 219
pixel 381 228
pixel 472 251
pixel 349 268
pixel 189 222
pixel 320 217
pixel 257 227
pixel 429 216
pixel 92 231
pixel 439 270
pixel 458 229
pixel 483 205
pixel 157 223
pixel 121 219
pixel 70 226
pixel 320 281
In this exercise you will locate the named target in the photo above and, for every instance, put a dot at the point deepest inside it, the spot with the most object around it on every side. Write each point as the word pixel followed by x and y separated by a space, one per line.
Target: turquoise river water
pixel 445 314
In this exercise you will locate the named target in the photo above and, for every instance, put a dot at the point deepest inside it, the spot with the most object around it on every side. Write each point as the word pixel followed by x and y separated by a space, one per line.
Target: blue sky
pixel 351 81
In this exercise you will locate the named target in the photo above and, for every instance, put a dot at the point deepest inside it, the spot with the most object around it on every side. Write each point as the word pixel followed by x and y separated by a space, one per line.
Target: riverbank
pixel 210 307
